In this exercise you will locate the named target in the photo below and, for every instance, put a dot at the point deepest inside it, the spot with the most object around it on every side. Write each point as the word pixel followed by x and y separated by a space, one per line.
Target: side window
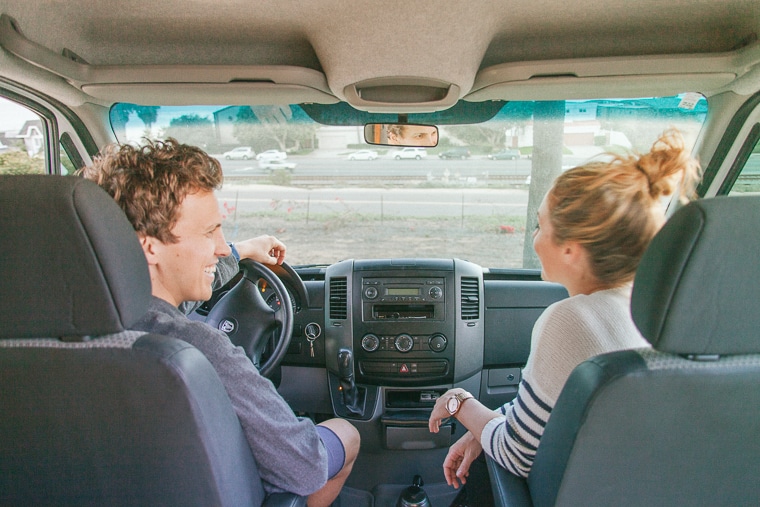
pixel 748 181
pixel 22 140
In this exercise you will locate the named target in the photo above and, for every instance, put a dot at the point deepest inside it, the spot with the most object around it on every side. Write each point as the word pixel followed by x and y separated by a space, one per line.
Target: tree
pixel 263 126
pixel 488 134
pixel 191 129
pixel 120 116
pixel 548 134
pixel 148 115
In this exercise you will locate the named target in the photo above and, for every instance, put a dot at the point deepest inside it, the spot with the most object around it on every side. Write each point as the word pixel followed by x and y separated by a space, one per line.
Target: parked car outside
pixel 272 165
pixel 411 153
pixel 239 153
pixel 272 155
pixel 505 155
pixel 462 153
pixel 363 155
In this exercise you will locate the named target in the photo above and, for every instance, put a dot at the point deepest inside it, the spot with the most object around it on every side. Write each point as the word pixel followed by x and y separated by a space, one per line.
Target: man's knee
pixel 348 435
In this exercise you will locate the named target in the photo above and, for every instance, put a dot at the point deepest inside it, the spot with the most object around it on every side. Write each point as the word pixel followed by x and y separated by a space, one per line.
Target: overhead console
pixel 407 322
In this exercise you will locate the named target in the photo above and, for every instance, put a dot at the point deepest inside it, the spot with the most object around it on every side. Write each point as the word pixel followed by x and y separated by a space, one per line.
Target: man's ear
pixel 151 247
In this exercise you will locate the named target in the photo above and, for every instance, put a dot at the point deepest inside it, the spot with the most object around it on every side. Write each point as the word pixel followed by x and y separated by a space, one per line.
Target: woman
pixel 594 225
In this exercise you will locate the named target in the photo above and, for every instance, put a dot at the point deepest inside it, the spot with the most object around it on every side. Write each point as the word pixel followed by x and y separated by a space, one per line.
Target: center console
pixel 402 335
pixel 398 334
pixel 406 323
pixel 410 322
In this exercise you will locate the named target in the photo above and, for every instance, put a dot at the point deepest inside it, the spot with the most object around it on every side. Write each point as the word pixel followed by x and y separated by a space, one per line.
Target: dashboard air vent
pixel 338 298
pixel 470 299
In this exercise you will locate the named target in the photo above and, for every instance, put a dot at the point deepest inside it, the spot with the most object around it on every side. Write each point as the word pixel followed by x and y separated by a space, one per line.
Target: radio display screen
pixel 402 291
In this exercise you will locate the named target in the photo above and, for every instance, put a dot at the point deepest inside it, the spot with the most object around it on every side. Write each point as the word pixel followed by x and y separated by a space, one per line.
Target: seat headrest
pixel 70 262
pixel 698 284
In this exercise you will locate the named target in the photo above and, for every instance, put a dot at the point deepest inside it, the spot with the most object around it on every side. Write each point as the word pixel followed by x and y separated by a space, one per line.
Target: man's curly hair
pixel 150 182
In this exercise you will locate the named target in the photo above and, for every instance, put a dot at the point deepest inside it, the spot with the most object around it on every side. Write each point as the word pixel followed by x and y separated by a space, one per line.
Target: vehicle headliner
pixel 331 50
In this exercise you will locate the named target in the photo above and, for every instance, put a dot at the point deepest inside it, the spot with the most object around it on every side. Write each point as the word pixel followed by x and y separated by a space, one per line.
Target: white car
pixel 272 165
pixel 239 153
pixel 272 155
pixel 363 155
pixel 407 153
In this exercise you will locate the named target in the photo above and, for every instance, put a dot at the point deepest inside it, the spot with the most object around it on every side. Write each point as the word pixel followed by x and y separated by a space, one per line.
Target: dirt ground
pixel 327 242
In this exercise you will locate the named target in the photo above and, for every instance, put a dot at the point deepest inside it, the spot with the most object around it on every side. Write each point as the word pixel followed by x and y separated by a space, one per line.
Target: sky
pixel 13 116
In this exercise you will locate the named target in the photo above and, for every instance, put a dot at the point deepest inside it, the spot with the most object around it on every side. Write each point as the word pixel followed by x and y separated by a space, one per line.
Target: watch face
pixel 452 405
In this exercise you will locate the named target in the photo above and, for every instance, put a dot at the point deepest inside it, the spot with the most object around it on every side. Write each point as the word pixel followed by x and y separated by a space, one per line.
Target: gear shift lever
pixel 346 378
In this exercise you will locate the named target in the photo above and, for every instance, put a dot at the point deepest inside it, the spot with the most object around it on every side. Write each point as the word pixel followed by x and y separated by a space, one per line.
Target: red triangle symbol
pixel 404 369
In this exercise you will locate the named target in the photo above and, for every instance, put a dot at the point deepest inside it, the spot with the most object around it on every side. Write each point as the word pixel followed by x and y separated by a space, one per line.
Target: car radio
pixel 403 299
pixel 402 337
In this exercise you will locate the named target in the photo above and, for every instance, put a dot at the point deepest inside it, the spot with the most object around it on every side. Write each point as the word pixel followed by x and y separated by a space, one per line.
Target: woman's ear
pixel 573 253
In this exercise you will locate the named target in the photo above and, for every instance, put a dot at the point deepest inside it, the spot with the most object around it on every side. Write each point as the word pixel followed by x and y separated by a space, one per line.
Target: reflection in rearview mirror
pixel 401 134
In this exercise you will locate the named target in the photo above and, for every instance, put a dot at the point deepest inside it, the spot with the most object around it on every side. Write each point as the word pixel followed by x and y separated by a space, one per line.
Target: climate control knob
pixel 370 342
pixel 404 343
pixel 437 343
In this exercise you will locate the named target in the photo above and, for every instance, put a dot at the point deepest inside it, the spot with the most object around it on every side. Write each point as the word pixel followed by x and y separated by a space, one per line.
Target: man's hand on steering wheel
pixel 264 249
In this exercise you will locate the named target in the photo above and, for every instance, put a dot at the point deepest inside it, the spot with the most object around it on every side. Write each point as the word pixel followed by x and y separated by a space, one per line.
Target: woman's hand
pixel 456 466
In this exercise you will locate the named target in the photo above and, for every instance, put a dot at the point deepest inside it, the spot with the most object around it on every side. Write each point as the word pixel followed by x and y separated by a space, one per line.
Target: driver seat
pixel 676 424
pixel 92 412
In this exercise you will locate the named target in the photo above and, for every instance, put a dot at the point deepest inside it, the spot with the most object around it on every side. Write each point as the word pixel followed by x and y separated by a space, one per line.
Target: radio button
pixel 404 343
pixel 437 343
pixel 370 292
pixel 370 342
pixel 435 292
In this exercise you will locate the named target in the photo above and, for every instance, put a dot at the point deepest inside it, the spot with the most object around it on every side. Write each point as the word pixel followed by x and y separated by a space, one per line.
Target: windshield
pixel 329 196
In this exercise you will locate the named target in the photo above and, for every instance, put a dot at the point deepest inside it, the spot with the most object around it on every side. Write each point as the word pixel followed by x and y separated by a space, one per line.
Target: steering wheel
pixel 249 321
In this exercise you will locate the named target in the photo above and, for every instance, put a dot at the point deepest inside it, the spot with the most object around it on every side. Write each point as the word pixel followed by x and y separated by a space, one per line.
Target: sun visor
pixel 172 84
pixel 634 76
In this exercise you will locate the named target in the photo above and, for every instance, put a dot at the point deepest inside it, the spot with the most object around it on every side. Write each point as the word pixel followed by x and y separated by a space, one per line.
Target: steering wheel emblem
pixel 227 325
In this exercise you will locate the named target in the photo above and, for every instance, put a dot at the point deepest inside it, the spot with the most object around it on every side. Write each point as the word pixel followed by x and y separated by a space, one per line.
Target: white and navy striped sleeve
pixel 512 440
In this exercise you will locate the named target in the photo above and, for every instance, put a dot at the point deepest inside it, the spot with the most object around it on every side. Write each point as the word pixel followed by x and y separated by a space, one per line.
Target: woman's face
pixel 547 249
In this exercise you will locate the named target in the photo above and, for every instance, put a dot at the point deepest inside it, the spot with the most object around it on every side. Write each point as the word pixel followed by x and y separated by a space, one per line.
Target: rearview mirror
pixel 401 134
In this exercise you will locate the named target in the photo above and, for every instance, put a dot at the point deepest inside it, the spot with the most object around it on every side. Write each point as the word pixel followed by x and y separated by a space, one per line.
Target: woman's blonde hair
pixel 613 208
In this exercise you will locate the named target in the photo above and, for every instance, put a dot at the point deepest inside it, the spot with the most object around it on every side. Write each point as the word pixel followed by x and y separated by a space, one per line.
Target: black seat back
pixel 677 424
pixel 92 412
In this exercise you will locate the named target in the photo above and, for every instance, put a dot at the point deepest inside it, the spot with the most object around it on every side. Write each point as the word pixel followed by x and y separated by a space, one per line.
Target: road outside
pixel 326 225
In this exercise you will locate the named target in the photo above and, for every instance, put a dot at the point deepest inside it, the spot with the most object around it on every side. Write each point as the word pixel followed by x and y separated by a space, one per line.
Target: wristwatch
pixel 454 403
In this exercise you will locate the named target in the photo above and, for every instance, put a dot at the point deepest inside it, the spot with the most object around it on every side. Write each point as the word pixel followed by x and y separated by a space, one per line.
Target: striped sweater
pixel 566 334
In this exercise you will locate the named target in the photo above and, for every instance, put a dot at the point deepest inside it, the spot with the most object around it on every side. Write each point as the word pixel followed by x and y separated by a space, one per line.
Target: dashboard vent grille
pixel 470 299
pixel 338 298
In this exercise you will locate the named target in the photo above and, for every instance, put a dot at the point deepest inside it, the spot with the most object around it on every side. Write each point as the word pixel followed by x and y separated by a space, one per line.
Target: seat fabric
pixel 94 413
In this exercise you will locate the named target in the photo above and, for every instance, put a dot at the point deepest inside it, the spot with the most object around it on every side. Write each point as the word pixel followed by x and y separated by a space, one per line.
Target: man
pixel 413 135
pixel 166 190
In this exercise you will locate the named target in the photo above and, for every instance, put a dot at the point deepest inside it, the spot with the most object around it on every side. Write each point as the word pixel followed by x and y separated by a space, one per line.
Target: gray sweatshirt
pixel 288 451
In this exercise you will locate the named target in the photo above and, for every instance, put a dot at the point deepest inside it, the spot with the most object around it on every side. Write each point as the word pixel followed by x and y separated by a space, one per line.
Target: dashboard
pixel 403 330
pixel 377 341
